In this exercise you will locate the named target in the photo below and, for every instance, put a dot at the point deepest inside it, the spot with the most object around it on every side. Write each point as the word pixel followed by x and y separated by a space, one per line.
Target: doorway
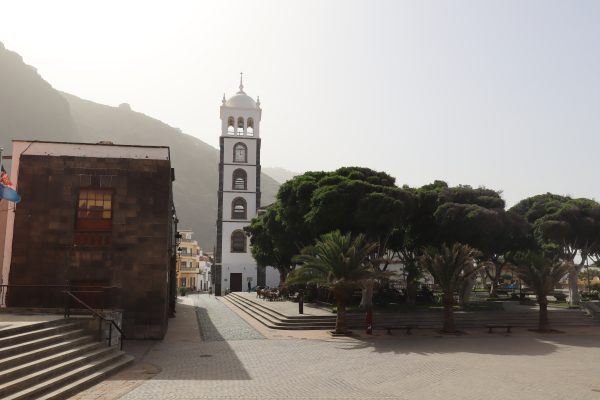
pixel 235 282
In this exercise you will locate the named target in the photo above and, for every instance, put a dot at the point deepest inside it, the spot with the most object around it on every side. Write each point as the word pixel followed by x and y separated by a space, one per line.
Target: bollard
pixel 301 302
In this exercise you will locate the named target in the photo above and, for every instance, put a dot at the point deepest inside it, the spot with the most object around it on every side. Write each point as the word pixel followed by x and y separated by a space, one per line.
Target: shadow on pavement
pixel 495 344
pixel 182 355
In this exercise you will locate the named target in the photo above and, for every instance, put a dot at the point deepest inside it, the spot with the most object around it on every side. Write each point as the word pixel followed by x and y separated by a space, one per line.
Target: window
pixel 238 242
pixel 240 126
pixel 238 208
pixel 231 125
pixel 239 153
pixel 239 179
pixel 94 217
pixel 250 127
pixel 182 282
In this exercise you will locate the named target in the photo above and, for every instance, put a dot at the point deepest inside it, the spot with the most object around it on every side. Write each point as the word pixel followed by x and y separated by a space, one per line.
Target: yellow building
pixel 188 261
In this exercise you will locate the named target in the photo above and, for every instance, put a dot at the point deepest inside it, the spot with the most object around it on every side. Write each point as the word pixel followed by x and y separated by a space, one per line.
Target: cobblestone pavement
pixel 475 366
pixel 218 322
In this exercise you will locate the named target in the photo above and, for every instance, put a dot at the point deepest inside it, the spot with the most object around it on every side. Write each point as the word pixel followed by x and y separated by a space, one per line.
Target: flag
pixel 6 187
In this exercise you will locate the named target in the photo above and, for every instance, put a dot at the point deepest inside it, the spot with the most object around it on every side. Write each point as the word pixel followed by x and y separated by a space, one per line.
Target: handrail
pixel 96 314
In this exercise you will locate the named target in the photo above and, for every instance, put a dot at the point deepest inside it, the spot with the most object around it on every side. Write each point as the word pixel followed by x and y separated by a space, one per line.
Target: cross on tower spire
pixel 241 82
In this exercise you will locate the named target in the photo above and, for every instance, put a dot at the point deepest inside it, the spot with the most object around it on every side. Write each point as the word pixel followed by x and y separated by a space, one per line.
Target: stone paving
pixel 523 365
pixel 218 322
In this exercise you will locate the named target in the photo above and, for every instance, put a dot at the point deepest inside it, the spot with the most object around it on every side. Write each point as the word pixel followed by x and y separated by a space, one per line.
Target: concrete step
pixel 37 364
pixel 70 389
pixel 283 321
pixel 62 385
pixel 259 303
pixel 36 376
pixel 39 342
pixel 278 324
pixel 14 330
pixel 22 358
pixel 35 334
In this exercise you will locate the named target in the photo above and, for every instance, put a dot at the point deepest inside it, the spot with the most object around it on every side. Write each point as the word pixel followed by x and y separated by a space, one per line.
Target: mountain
pixel 30 109
pixel 279 174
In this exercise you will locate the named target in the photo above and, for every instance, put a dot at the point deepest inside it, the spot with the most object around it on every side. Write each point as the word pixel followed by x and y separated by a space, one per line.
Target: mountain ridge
pixel 31 109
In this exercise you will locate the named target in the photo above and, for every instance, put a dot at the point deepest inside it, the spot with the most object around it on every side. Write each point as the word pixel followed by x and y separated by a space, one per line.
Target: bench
pixel 500 326
pixel 404 327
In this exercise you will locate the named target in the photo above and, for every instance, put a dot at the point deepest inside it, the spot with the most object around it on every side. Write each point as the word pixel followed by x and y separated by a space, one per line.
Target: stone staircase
pixel 53 360
pixel 527 318
pixel 276 320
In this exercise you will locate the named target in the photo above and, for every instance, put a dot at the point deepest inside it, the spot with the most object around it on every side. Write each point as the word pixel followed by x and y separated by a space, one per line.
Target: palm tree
pixel 450 267
pixel 338 261
pixel 541 274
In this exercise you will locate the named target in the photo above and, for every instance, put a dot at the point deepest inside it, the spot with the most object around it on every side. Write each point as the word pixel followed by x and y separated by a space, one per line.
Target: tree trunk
pixel 340 320
pixel 466 290
pixel 544 324
pixel 412 284
pixel 411 293
pixel 448 301
pixel 573 289
pixel 366 300
pixel 283 272
pixel 494 288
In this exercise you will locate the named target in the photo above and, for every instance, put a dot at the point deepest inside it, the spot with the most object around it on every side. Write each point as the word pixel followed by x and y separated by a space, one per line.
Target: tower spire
pixel 241 82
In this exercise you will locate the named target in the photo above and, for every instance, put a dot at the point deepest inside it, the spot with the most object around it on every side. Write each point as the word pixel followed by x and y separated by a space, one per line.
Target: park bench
pixel 499 326
pixel 407 328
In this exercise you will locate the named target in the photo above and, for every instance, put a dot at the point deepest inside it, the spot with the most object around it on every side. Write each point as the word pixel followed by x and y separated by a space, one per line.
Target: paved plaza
pixel 230 357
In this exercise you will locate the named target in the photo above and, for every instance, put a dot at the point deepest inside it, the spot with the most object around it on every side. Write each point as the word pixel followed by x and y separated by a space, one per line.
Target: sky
pixel 501 94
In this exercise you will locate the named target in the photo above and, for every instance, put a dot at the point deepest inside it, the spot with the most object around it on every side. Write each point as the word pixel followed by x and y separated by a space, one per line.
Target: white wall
pixel 247 271
pixel 228 177
pixel 228 257
pixel 272 277
pixel 250 205
pixel 228 150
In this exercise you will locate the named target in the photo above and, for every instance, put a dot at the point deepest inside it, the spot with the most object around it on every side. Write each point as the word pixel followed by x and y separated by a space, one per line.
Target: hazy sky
pixel 504 94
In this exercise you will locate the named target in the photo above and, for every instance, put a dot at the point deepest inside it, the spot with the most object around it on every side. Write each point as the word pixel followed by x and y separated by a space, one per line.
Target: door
pixel 235 282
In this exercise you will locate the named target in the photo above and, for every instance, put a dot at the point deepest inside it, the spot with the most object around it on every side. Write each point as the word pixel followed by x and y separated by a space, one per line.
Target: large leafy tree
pixel 340 262
pixel 450 267
pixel 568 228
pixel 351 199
pixel 474 216
pixel 272 243
pixel 541 273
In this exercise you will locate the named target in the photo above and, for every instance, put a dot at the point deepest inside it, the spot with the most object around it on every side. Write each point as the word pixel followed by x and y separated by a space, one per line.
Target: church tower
pixel 239 192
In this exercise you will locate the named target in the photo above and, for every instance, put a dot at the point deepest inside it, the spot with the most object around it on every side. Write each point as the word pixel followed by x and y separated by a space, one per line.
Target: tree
pixel 449 268
pixel 272 243
pixel 350 199
pixel 541 274
pixel 565 227
pixel 340 262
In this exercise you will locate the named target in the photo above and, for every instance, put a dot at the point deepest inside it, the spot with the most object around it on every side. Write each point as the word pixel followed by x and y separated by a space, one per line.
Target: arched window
pixel 231 125
pixel 240 153
pixel 239 180
pixel 240 126
pixel 238 242
pixel 250 127
pixel 238 208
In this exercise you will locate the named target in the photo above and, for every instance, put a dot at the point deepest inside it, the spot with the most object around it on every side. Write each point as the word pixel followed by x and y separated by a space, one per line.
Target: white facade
pixel 239 194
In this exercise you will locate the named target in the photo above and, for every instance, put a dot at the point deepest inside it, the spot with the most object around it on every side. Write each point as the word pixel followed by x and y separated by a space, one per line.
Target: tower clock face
pixel 239 153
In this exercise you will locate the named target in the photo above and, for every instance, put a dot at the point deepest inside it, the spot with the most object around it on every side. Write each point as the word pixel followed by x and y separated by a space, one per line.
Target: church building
pixel 239 193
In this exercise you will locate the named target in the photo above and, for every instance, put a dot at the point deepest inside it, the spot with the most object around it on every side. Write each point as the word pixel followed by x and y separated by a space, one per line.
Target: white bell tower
pixel 239 191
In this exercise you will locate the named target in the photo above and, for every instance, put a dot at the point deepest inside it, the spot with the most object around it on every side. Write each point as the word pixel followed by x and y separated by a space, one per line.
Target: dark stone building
pixel 95 215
